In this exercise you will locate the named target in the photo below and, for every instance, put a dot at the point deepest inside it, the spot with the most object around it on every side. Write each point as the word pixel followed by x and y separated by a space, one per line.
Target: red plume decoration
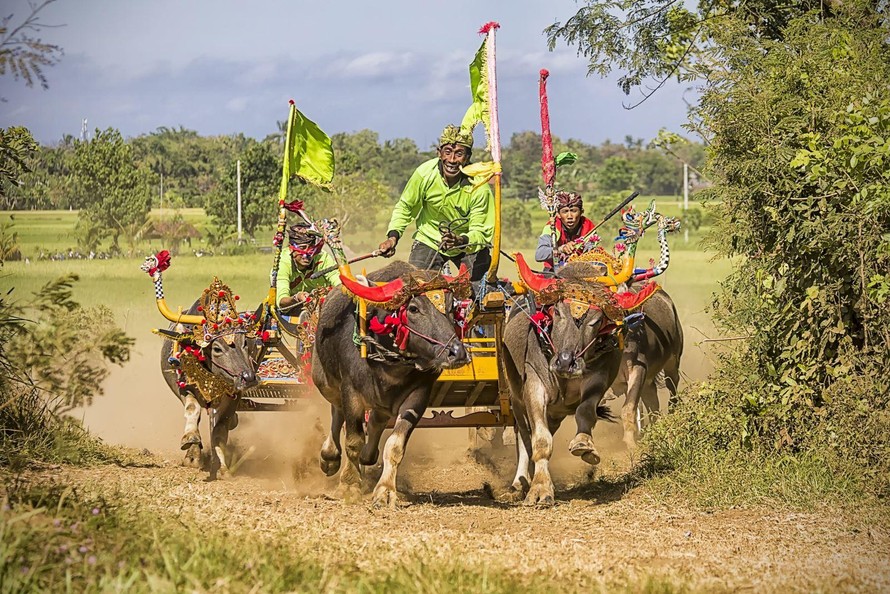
pixel 396 293
pixel 548 165
pixel 163 258
pixel 462 275
pixel 489 26
pixel 295 206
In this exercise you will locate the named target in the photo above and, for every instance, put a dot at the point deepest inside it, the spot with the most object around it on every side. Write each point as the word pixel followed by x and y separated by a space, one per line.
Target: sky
pixel 398 67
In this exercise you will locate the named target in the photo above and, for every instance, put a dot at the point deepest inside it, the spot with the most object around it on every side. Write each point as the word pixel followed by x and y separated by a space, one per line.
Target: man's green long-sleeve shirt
pixel 429 200
pixel 288 275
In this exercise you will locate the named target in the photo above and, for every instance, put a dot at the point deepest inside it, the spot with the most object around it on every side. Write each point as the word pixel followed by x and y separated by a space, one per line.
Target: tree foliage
pixel 651 41
pixel 260 179
pixel 23 55
pixel 113 193
pixel 794 112
pixel 17 147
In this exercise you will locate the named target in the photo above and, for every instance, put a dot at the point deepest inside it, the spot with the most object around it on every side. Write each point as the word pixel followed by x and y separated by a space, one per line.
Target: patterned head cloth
pixel 565 199
pixel 303 240
pixel 454 135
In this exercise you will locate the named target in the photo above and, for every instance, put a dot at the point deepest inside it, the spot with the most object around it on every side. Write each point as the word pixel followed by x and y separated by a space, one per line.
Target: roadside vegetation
pixel 795 112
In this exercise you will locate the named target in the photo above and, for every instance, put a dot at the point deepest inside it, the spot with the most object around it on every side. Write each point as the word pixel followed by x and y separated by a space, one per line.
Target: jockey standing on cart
pixel 455 219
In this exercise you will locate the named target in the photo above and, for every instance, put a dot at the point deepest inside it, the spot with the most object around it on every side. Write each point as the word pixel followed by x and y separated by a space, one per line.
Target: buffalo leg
pixel 635 377
pixel 409 415
pixel 219 434
pixel 672 380
pixel 522 480
pixel 582 444
pixel 649 399
pixel 191 435
pixel 351 472
pixel 331 451
pixel 535 397
pixel 376 424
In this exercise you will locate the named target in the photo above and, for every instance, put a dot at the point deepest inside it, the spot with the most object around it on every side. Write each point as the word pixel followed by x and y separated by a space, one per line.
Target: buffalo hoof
pixel 189 439
pixel 348 493
pixel 385 496
pixel 583 447
pixel 369 454
pixel 330 467
pixel 192 457
pixel 511 495
pixel 540 495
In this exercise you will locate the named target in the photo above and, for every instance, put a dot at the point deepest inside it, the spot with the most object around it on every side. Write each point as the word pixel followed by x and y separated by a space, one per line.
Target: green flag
pixel 307 153
pixel 478 111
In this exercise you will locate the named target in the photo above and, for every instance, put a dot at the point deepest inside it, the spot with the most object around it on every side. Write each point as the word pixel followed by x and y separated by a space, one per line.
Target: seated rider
pixel 455 220
pixel 303 257
pixel 571 224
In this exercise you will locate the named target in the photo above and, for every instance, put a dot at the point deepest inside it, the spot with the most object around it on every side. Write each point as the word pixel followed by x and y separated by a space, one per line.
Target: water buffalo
pixel 652 346
pixel 412 339
pixel 559 362
pixel 206 360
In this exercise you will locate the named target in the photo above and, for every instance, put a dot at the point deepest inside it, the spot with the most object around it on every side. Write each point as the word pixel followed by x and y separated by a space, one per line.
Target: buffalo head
pixel 413 311
pixel 577 336
pixel 230 358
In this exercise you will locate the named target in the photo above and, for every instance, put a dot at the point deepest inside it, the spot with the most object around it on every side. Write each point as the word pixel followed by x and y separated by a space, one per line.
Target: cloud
pixel 408 94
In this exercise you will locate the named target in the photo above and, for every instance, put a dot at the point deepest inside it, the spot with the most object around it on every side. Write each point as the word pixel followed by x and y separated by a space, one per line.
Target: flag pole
pixel 279 239
pixel 495 141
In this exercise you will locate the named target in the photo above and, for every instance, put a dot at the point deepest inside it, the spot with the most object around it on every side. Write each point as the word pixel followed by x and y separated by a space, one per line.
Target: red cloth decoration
pixel 393 323
pixel 295 206
pixel 548 165
pixel 630 300
pixel 463 272
pixel 375 293
pixel 535 282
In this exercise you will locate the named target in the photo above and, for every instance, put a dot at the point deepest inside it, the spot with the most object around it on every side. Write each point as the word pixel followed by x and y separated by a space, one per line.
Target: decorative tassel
pixel 488 27
pixel 548 166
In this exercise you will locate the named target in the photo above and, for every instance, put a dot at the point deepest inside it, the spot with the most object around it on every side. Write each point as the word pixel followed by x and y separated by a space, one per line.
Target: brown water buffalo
pixel 206 360
pixel 229 359
pixel 650 347
pixel 411 340
pixel 560 359
pixel 653 348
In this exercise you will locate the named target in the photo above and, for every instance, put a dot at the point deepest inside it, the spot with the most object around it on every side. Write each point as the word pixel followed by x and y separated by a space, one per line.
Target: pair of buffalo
pixel 564 370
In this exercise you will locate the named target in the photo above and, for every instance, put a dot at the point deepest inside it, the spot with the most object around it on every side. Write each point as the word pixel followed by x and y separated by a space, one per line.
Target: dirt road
pixel 603 534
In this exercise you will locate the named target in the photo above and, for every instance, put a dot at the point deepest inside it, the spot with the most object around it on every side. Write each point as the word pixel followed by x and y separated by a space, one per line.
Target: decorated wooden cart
pixel 475 395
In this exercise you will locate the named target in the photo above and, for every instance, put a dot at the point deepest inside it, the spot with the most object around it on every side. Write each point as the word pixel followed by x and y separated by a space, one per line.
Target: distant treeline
pixel 193 169
pixel 114 182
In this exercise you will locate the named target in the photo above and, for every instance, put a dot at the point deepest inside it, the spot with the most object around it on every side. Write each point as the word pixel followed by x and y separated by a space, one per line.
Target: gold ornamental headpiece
pixel 454 135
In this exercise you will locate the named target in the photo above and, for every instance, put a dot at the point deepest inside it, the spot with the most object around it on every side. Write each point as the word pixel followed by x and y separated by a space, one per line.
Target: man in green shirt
pixel 455 219
pixel 303 256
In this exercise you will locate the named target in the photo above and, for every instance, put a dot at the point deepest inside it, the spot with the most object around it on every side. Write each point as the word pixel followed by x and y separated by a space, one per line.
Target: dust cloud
pixel 281 449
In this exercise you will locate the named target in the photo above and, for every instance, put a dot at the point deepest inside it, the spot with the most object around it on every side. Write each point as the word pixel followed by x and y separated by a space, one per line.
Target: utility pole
pixel 162 194
pixel 238 169
pixel 685 186
pixel 686 199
